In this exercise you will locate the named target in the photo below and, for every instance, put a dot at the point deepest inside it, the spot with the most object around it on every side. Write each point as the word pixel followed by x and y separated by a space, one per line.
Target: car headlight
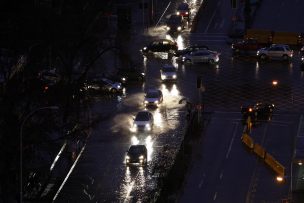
pixel 155 102
pixel 187 13
pixel 123 79
pixel 174 76
pixel 135 125
pixel 163 77
pixel 142 74
pixel 177 13
pixel 146 102
pixel 127 157
pixel 141 157
pixel 145 48
pixel 258 52
pixel 302 58
pixel 168 28
pixel 179 28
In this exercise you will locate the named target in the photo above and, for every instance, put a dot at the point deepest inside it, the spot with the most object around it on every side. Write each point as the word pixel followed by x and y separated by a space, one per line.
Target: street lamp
pixel 21 136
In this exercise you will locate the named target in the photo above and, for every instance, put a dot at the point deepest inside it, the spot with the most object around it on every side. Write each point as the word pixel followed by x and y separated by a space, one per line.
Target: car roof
pixel 183 6
pixel 138 146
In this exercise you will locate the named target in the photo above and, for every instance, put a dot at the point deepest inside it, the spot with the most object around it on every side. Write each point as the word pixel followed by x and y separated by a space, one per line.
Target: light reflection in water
pixel 290 68
pixel 257 68
pixel 149 145
pixel 167 92
pixel 158 120
pixel 134 140
pixel 180 42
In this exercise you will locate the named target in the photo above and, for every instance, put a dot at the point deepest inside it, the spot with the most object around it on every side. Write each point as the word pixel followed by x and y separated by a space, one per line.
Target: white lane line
pixel 211 19
pixel 58 155
pixel 129 191
pixel 231 142
pixel 69 173
pixel 214 197
pixel 221 175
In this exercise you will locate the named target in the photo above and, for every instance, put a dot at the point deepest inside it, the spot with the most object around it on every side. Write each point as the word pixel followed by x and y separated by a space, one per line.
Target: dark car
pixel 137 154
pixel 183 10
pixel 102 85
pixel 163 45
pixel 130 74
pixel 190 49
pixel 48 79
pixel 175 23
pixel 257 112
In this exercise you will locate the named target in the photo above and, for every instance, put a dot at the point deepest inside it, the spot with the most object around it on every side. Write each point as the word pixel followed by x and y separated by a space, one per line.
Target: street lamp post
pixel 21 139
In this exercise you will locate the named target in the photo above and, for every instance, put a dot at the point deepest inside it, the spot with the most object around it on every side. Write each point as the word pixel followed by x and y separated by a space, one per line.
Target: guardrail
pixel 259 151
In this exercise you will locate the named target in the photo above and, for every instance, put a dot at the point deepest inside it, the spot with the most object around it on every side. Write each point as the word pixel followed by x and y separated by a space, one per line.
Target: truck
pixel 247 47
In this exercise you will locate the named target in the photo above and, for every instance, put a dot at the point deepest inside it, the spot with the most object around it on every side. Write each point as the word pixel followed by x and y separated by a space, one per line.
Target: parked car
pixel 176 23
pixel 143 121
pixel 246 47
pixel 153 97
pixel 190 49
pixel 168 73
pixel 183 9
pixel 100 85
pixel 163 45
pixel 258 111
pixel 275 51
pixel 131 74
pixel 201 56
pixel 137 154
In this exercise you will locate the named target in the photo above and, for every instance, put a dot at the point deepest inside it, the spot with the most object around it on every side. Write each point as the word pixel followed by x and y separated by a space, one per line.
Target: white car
pixel 201 56
pixel 275 51
pixel 168 72
pixel 153 98
pixel 143 121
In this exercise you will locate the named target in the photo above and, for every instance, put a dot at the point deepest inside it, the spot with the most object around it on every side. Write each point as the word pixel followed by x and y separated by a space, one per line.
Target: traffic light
pixel 198 82
pixel 233 3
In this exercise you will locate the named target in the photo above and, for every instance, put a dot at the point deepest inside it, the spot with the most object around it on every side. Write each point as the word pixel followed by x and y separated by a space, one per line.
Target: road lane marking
pixel 58 155
pixel 222 23
pixel 69 173
pixel 214 197
pixel 211 19
pixel 221 175
pixel 232 139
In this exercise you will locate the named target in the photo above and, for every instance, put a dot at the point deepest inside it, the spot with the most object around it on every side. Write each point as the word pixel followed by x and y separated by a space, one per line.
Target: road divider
pixel 269 160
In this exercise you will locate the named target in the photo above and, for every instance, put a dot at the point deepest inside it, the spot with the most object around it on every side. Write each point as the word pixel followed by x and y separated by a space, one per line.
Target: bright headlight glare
pixel 147 125
pixel 127 157
pixel 168 28
pixel 144 48
pixel 174 76
pixel 155 102
pixel 163 77
pixel 179 28
pixel 123 79
pixel 187 13
pixel 141 157
pixel 177 13
pixel 146 102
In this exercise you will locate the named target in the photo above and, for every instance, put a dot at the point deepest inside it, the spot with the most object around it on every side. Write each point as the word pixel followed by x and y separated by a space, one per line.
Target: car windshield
pixel 183 7
pixel 174 19
pixel 168 69
pixel 142 116
pixel 136 150
pixel 152 94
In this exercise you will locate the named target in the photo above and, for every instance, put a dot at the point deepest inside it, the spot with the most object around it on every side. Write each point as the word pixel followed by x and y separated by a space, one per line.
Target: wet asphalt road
pixel 101 175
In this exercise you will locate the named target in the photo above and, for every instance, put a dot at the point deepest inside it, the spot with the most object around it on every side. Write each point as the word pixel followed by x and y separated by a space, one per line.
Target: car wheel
pixel 113 90
pixel 211 61
pixel 285 57
pixel 263 57
pixel 188 61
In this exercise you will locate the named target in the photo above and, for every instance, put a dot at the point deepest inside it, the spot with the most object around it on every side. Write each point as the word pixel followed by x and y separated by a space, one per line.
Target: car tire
pixel 188 61
pixel 285 57
pixel 113 90
pixel 263 57
pixel 211 61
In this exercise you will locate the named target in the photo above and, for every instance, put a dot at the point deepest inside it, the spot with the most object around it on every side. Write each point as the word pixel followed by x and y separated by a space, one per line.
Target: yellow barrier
pixel 259 150
pixel 247 140
pixel 291 38
pixel 275 165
